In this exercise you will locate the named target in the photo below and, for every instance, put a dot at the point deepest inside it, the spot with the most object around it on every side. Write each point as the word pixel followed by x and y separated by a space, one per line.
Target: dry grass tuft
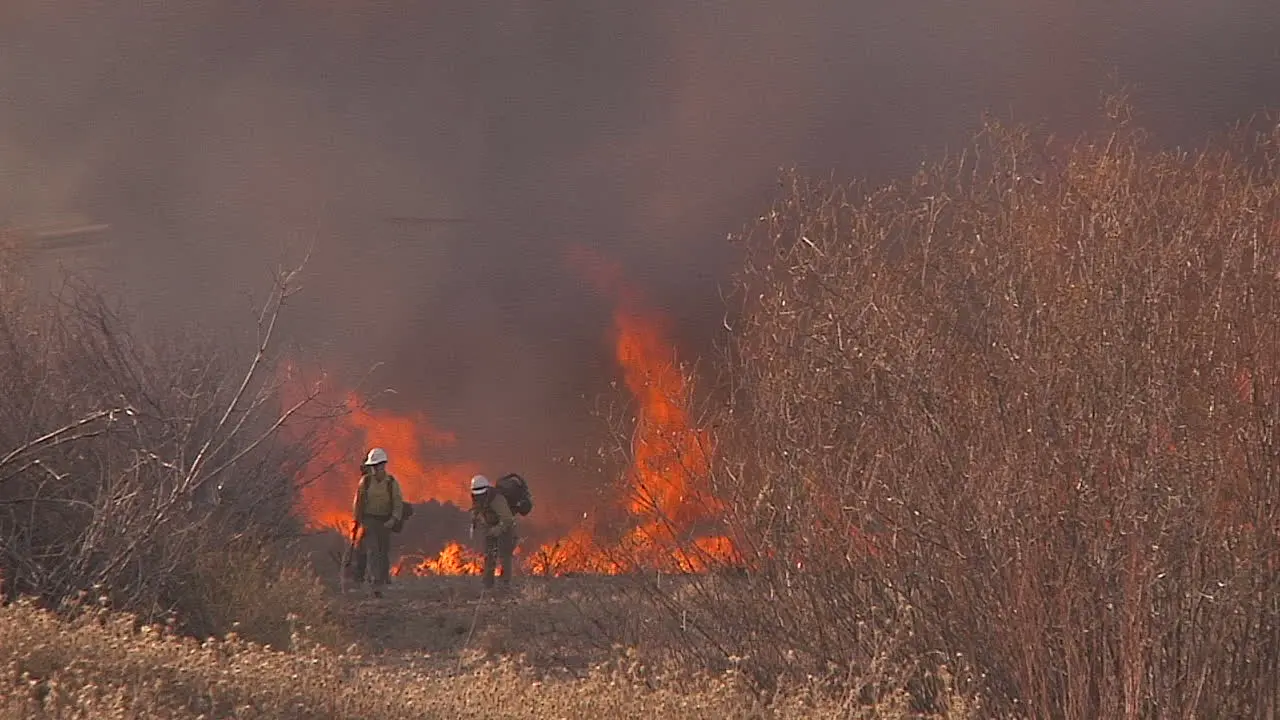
pixel 101 664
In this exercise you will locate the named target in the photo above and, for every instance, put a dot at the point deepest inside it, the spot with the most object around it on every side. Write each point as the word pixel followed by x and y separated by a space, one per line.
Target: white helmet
pixel 479 484
pixel 376 457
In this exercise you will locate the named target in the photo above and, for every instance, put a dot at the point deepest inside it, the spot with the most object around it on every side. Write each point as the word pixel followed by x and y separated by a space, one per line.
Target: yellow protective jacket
pixel 381 498
pixel 493 514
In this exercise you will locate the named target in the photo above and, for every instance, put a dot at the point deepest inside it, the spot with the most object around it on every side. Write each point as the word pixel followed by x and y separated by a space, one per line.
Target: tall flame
pixel 666 486
pixel 664 497
pixel 670 454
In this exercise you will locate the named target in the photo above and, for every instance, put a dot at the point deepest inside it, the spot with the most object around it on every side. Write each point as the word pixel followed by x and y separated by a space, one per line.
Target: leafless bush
pixel 1017 415
pixel 122 462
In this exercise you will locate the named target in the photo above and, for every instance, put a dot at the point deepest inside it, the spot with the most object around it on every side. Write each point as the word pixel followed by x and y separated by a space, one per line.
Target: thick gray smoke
pixel 212 135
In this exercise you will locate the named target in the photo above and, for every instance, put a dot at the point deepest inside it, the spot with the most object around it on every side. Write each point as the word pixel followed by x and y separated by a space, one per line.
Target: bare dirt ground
pixel 557 625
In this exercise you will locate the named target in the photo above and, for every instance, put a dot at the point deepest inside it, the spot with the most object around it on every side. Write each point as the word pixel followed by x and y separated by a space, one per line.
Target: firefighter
pixel 377 508
pixel 491 513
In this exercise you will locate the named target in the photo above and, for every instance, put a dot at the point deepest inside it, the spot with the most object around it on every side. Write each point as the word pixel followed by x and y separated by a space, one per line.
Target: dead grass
pixel 415 658
pixel 254 589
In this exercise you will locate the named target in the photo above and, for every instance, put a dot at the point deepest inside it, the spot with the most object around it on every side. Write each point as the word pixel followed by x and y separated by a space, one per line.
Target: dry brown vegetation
pixel 996 441
pixel 424 653
pixel 1016 416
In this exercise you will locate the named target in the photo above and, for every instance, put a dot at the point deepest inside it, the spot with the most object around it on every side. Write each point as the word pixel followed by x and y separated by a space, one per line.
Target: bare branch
pixel 54 435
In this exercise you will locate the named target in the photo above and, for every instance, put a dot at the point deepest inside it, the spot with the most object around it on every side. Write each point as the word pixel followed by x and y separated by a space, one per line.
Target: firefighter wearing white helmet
pixel 377 509
pixel 490 512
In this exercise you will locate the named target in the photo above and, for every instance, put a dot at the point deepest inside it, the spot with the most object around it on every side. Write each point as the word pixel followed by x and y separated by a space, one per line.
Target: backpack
pixel 516 491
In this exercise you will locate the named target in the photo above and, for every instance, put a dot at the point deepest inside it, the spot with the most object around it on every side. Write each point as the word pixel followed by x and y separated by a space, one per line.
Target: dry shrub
pixel 257 591
pixel 125 458
pixel 1016 416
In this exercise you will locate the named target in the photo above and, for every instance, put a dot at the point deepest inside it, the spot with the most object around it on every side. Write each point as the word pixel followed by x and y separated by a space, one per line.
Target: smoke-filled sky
pixel 211 135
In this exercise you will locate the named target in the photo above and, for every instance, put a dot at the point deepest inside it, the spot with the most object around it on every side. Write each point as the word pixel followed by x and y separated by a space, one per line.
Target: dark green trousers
pixel 373 553
pixel 499 550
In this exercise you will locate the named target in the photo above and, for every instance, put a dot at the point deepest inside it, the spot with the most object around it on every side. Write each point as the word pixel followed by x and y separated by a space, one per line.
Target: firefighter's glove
pixel 389 524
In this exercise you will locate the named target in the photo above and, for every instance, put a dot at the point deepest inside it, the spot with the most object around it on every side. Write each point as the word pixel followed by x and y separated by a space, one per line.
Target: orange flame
pixel 334 472
pixel 576 553
pixel 666 482
pixel 670 455
pixel 665 494
pixel 453 560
